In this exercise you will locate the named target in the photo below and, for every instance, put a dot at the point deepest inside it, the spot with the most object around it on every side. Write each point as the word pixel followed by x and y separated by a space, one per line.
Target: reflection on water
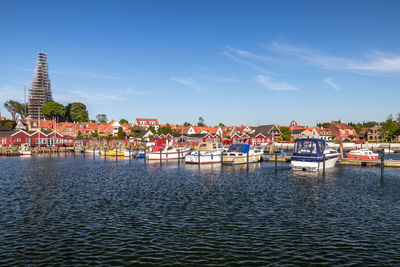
pixel 66 210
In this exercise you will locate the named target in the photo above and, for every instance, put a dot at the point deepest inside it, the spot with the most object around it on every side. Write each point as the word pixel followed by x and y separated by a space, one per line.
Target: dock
pixel 348 162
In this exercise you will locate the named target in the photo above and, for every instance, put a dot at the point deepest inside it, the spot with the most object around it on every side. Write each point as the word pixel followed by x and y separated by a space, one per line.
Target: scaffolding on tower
pixel 40 91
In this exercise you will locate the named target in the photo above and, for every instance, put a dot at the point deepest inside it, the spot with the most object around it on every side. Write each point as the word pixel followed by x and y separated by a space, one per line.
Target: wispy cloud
pixel 81 95
pixel 8 92
pixel 375 62
pixel 188 82
pixel 248 63
pixel 249 55
pixel 332 84
pixel 274 85
pixel 217 78
pixel 100 76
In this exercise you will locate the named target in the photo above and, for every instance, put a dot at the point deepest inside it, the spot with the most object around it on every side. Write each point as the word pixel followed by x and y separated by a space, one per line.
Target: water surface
pixel 65 210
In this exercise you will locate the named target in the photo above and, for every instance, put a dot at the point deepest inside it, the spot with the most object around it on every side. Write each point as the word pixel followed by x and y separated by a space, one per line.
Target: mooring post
pixel 65 151
pixel 179 157
pixel 74 151
pixel 145 154
pixel 160 155
pixel 323 165
pixel 116 154
pixel 94 150
pixel 276 160
pixel 130 152
pixel 222 157
pixel 84 152
pixel 105 153
pixel 382 162
pixel 247 158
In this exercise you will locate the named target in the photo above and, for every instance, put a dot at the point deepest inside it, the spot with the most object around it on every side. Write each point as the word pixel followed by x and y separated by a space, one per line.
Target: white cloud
pixel 188 82
pixel 82 96
pixel 332 84
pixel 8 92
pixel 240 60
pixel 275 86
pixel 376 62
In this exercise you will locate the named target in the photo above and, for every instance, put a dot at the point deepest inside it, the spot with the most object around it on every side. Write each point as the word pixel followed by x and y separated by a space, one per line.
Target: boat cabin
pixel 309 147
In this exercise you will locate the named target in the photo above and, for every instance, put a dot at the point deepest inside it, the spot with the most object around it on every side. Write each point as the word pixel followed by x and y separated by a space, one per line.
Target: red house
pixel 342 131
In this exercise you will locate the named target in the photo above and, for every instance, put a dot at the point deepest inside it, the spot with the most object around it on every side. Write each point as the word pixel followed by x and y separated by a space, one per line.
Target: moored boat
pixel 206 152
pixel 388 151
pixel 113 153
pixel 241 154
pixel 310 154
pixel 166 153
pixel 364 153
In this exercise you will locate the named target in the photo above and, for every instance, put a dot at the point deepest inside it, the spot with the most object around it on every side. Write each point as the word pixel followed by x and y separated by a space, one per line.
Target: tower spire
pixel 40 92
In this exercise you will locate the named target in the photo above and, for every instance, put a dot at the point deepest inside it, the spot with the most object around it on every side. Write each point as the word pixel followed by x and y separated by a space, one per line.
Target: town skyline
pixel 226 62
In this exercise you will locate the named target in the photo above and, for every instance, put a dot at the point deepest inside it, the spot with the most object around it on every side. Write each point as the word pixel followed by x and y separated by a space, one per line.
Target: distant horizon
pixel 238 63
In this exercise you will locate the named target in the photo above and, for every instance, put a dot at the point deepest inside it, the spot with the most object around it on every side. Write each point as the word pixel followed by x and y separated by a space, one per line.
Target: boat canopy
pixel 309 147
pixel 243 148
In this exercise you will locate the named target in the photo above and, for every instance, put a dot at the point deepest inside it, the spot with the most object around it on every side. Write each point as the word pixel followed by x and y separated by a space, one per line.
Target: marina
pixel 80 210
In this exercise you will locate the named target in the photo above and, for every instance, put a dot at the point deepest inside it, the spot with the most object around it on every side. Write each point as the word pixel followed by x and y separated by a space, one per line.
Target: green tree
pixel 101 118
pixel 324 124
pixel 77 112
pixel 8 123
pixel 389 128
pixel 83 116
pixel 186 124
pixel 201 122
pixel 95 134
pixel 165 130
pixel 137 131
pixel 221 125
pixel 53 110
pixel 152 129
pixel 285 133
pixel 12 107
pixel 120 134
pixel 123 121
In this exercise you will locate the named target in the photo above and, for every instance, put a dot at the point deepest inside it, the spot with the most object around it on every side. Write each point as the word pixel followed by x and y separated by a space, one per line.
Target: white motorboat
pixel 310 155
pixel 166 153
pixel 206 152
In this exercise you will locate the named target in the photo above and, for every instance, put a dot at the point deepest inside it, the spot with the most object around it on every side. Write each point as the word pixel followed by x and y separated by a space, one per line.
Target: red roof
pixel 139 120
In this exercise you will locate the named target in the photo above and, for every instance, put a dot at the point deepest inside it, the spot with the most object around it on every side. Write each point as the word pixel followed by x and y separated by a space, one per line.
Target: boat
pixel 25 151
pixel 241 154
pixel 309 155
pixel 205 153
pixel 113 153
pixel 364 153
pixel 388 151
pixel 166 153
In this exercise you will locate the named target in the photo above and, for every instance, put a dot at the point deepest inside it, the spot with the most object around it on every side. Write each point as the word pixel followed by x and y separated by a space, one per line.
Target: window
pixel 68 129
pixel 17 140
pixel 152 122
pixel 28 140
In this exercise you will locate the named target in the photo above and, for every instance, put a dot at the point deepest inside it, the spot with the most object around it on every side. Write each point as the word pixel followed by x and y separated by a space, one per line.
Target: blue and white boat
pixel 310 154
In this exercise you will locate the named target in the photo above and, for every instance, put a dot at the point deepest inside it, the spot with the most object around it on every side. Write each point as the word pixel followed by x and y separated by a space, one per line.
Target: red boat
pixel 362 154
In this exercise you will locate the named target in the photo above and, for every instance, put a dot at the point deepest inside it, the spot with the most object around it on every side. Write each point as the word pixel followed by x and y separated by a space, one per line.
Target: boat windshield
pixel 203 146
pixel 308 147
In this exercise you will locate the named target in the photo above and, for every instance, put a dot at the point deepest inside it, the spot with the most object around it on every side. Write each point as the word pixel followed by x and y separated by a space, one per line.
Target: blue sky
pixel 236 62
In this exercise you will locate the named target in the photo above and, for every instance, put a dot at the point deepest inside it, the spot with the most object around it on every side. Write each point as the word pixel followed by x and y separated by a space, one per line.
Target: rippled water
pixel 94 211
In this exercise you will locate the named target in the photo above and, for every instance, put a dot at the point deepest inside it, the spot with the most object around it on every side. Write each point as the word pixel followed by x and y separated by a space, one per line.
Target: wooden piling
pixel 276 160
pixel 382 163
pixel 198 154
pixel 323 165
pixel 160 155
pixel 116 154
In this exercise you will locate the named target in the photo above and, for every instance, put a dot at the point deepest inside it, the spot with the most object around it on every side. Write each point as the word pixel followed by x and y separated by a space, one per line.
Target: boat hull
pixel 166 156
pixel 313 165
pixel 350 156
pixel 238 160
pixel 205 158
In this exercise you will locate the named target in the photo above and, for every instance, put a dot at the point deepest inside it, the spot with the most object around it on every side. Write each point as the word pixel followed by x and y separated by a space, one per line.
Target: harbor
pixel 80 210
